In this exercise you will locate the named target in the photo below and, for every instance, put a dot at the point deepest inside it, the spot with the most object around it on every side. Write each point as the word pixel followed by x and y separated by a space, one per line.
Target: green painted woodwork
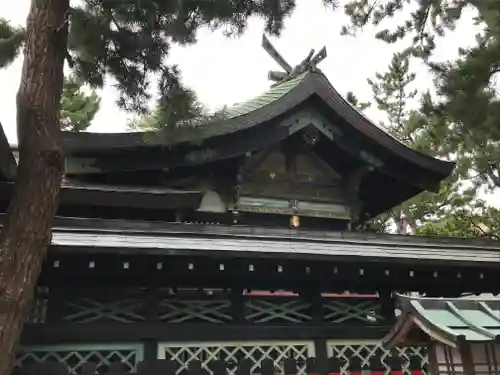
pixel 454 320
pixel 310 117
pixel 476 320
pixel 264 99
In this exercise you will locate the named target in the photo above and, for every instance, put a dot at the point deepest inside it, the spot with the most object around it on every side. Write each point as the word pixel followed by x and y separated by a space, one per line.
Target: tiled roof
pixel 192 239
pixel 264 99
pixel 448 321
pixel 275 102
pixel 255 111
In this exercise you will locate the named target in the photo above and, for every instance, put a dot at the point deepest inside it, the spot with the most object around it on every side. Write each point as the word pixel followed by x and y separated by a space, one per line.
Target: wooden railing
pixel 334 366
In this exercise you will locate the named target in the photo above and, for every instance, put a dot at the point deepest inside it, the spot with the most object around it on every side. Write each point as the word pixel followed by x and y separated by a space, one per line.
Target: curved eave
pixel 304 87
pixel 363 125
pixel 239 119
pixel 413 318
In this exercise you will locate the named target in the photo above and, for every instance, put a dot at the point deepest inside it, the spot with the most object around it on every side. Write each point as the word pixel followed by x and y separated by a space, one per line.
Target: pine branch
pixel 10 44
pixel 495 177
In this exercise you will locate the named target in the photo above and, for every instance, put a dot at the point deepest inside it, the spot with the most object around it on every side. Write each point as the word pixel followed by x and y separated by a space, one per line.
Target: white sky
pixel 223 71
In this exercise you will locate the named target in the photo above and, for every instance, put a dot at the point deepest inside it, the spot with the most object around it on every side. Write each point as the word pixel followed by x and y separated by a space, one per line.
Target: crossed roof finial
pixel 309 63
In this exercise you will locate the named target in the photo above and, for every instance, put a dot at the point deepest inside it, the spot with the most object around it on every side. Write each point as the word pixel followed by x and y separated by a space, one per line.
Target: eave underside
pixel 268 257
pixel 109 200
pixel 268 242
pixel 231 246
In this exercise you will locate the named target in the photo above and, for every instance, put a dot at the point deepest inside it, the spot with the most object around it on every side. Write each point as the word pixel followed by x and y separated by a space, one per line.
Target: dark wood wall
pixel 149 316
pixel 129 314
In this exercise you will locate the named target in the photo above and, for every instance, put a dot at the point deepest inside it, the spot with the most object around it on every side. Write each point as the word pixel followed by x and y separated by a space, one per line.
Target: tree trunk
pixel 28 226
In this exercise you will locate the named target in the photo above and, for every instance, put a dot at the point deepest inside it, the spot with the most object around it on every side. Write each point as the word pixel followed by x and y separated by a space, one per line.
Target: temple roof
pixel 268 106
pixel 449 321
pixel 275 93
pixel 349 142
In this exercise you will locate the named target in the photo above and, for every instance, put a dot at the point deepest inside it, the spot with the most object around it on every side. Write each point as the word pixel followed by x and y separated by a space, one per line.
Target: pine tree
pixel 163 114
pixel 464 118
pixel 481 221
pixel 77 107
pixel 466 112
pixel 26 231
pixel 393 93
pixel 470 102
pixel 425 21
pixel 354 101
pixel 124 41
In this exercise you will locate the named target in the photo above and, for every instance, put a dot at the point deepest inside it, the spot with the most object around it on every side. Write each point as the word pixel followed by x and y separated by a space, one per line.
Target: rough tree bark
pixel 27 229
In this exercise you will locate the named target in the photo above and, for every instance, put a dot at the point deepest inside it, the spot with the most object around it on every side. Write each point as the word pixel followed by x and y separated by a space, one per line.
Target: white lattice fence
pixel 366 350
pixel 75 356
pixel 232 352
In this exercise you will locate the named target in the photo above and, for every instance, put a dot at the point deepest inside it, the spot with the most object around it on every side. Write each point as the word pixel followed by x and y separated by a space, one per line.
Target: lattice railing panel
pixel 90 310
pixel 183 354
pixel 365 351
pixel 277 310
pixel 352 310
pixel 75 356
pixel 195 311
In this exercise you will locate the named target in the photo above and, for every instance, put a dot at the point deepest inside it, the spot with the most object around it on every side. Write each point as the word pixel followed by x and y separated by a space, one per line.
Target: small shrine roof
pixel 449 321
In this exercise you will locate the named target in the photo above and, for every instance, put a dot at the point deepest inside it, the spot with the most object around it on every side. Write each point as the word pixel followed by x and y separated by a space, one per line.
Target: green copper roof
pixel 266 98
pixel 448 320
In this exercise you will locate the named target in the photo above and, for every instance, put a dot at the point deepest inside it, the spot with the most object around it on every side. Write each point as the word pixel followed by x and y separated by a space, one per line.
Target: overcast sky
pixel 223 71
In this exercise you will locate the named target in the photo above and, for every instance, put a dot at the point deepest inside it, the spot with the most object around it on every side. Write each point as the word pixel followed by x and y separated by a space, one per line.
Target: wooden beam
pixel 118 197
pixel 47 334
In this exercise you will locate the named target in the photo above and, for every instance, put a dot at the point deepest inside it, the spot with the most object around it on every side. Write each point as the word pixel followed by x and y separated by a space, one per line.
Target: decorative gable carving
pixel 297 178
pixel 310 168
